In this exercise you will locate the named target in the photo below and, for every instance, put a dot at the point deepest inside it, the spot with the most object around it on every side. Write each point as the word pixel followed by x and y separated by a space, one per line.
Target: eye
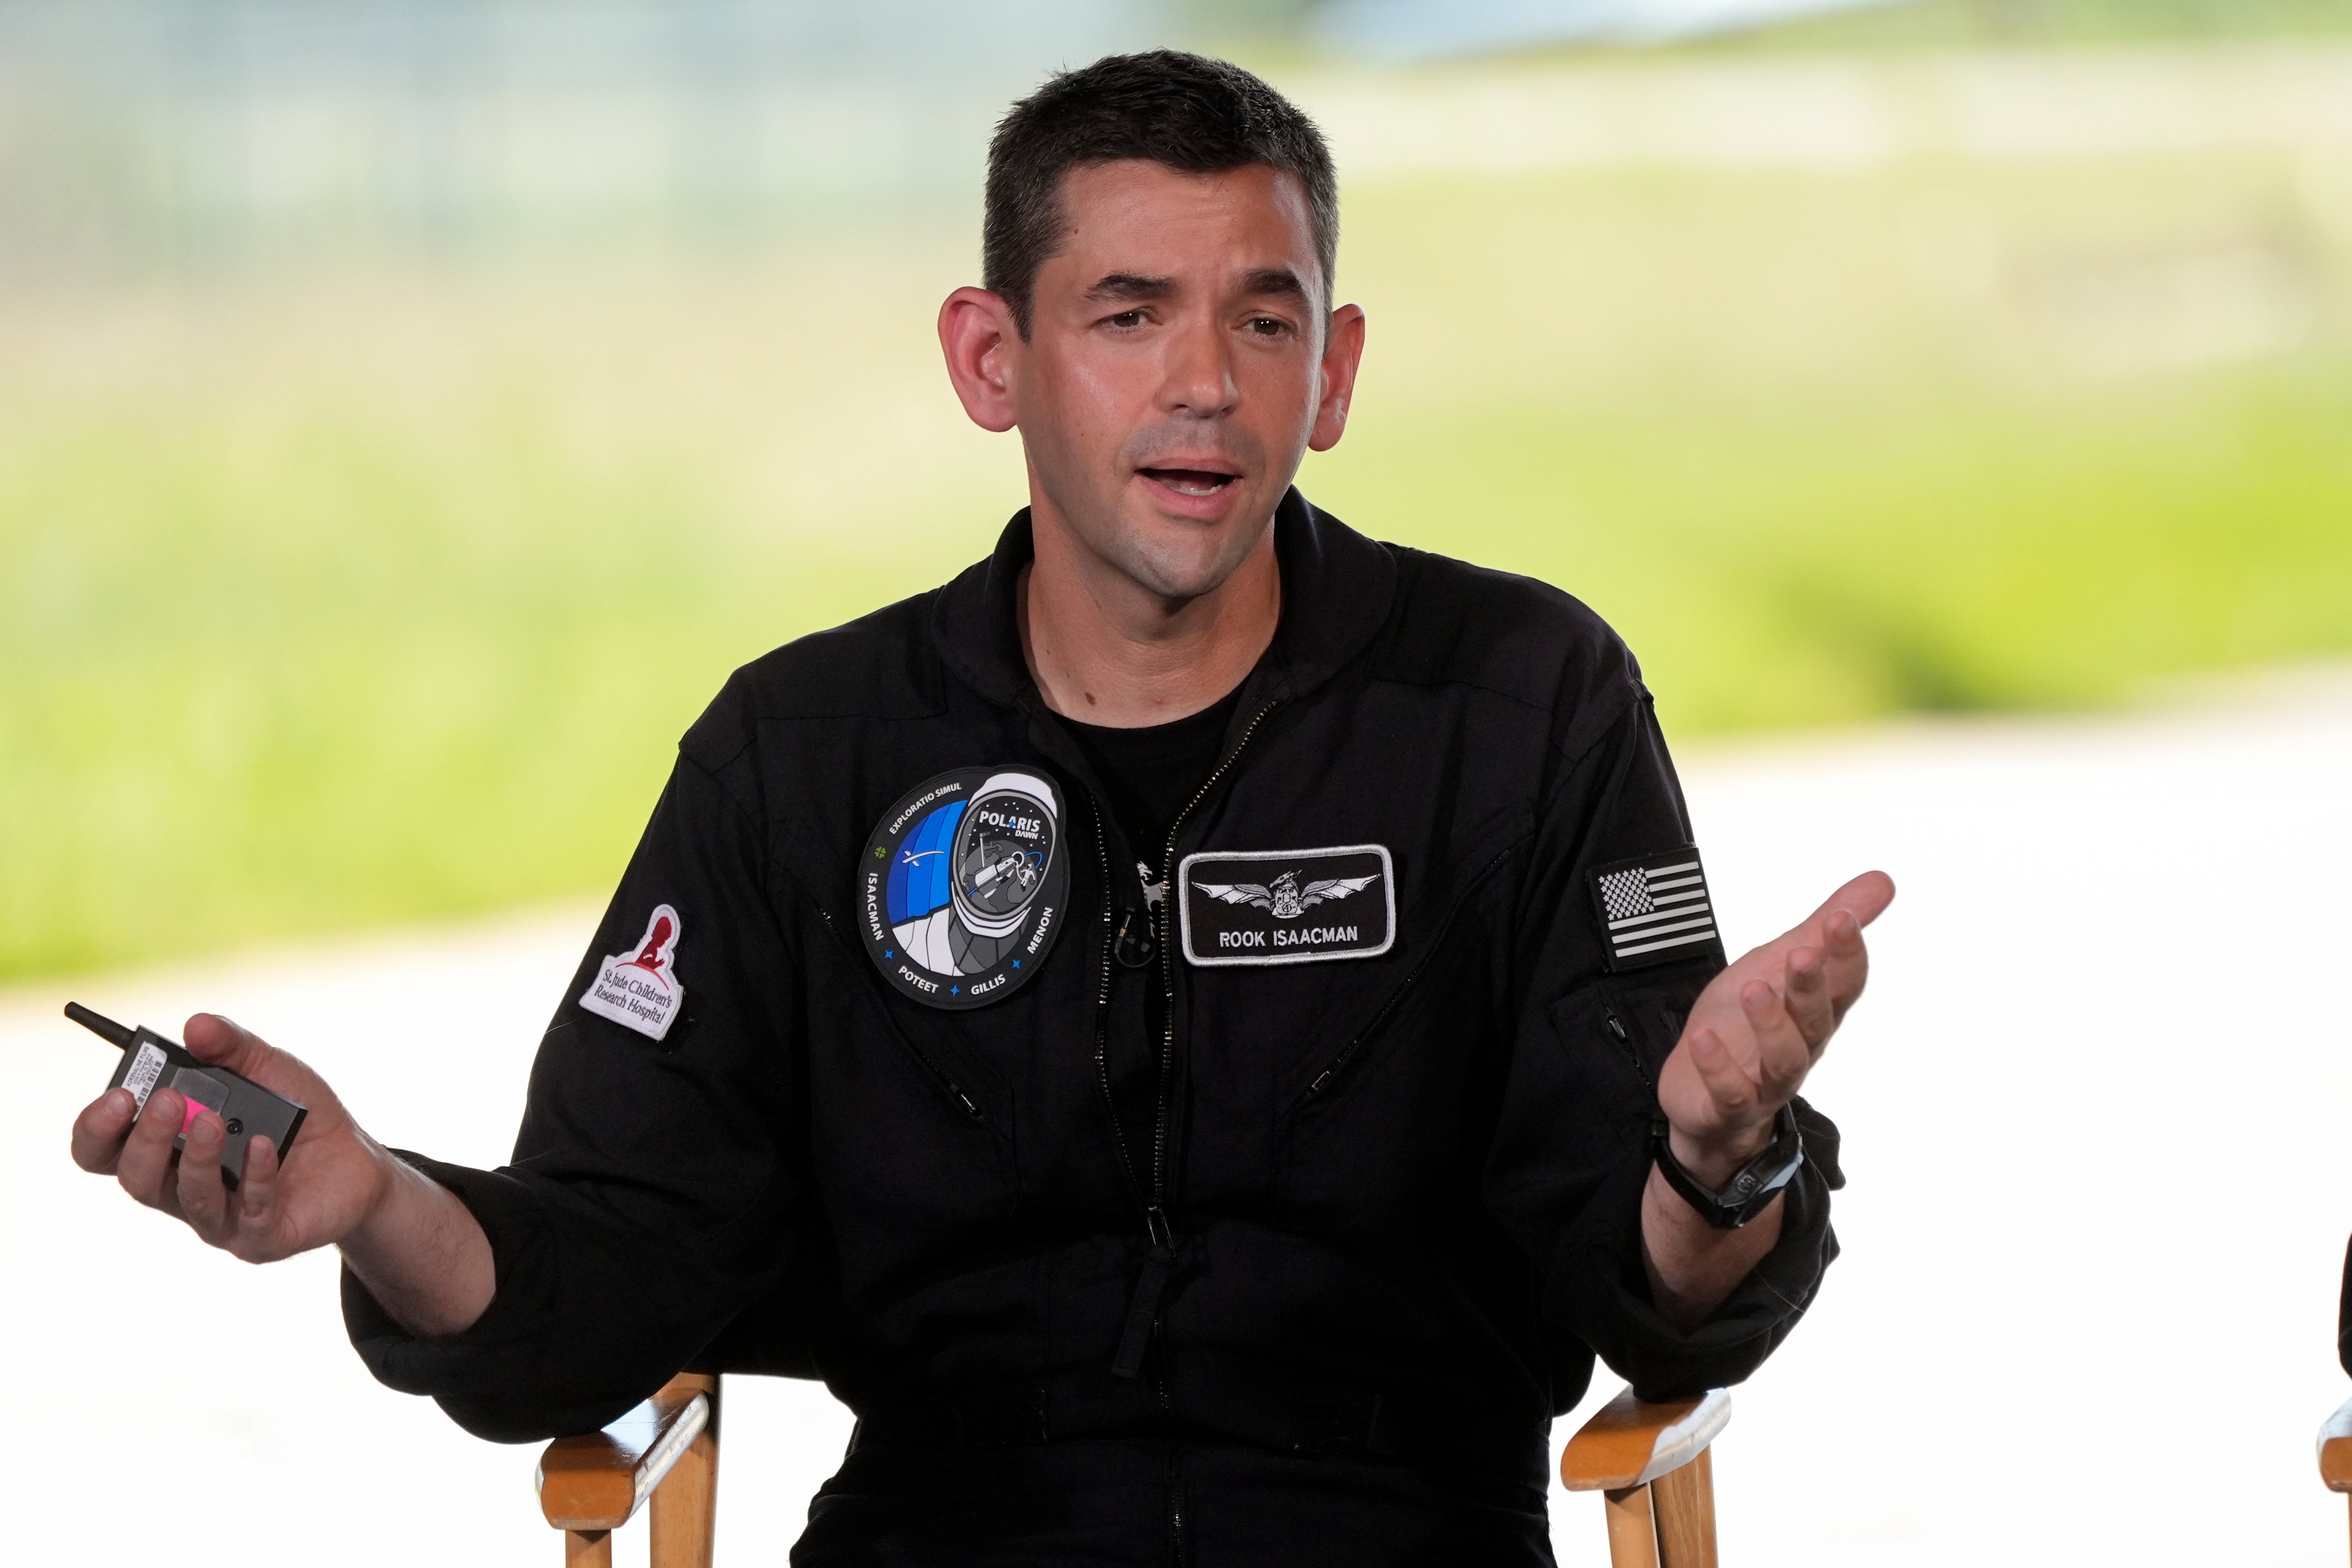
pixel 1269 326
pixel 1124 319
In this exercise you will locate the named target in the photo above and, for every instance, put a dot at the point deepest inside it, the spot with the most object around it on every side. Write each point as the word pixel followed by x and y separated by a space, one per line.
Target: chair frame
pixel 666 1449
pixel 1654 1466
pixel 2336 1450
pixel 1650 1462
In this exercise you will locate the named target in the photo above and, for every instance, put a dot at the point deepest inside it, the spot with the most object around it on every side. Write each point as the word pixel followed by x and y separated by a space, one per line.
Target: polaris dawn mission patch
pixel 1288 907
pixel 964 886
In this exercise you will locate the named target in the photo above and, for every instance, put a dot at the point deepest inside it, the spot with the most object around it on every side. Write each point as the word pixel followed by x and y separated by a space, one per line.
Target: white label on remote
pixel 146 1067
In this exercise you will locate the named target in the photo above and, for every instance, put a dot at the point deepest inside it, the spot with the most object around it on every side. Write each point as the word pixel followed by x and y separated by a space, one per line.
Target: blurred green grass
pixel 1830 448
pixel 1950 23
pixel 351 597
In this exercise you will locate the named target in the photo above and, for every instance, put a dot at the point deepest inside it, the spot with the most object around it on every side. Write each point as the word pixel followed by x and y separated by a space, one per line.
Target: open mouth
pixel 1190 481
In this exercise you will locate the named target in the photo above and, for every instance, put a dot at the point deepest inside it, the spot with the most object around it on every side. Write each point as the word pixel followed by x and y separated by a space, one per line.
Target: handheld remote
pixel 151 1063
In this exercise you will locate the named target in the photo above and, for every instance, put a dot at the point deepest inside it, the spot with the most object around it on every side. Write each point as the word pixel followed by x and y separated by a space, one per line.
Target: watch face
pixel 1750 1190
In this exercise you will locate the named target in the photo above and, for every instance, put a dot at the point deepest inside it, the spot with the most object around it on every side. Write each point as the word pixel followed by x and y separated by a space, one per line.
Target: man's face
pixel 1176 367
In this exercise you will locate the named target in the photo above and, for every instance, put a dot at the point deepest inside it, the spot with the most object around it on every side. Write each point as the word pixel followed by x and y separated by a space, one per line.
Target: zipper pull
pixel 1617 1027
pixel 1150 1289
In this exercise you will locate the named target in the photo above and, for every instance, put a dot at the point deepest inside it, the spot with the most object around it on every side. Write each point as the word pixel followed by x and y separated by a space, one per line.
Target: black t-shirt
pixel 1150 775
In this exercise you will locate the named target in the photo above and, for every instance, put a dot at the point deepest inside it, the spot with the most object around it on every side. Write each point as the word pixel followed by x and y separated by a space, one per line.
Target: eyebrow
pixel 1274 280
pixel 1130 285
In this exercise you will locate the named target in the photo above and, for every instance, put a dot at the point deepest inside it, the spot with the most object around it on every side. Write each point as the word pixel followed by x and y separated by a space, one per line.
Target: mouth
pixel 1190 481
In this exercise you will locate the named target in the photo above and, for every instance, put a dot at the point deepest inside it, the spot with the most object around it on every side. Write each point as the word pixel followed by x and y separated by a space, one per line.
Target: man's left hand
pixel 1759 1028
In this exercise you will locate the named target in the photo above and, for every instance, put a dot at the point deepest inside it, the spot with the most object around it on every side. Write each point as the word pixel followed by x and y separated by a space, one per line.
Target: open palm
pixel 1760 1025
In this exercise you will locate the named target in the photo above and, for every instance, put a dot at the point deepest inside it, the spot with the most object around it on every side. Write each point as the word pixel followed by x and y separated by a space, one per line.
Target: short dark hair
pixel 1187 111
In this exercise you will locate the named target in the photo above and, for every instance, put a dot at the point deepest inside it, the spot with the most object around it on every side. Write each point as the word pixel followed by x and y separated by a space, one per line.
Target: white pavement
pixel 2094 1108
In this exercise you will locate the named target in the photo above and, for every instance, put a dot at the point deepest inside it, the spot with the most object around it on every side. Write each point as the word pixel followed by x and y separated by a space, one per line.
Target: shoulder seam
pixel 1463 681
pixel 1641 695
pixel 758 828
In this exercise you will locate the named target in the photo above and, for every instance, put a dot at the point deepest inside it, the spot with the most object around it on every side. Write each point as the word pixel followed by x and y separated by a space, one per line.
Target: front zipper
pixel 1167 894
pixel 1338 1064
pixel 1102 1022
pixel 1151 1285
pixel 1175 1514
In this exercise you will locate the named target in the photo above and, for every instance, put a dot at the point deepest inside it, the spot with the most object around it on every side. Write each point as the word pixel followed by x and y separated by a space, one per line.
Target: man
pixel 1198 1029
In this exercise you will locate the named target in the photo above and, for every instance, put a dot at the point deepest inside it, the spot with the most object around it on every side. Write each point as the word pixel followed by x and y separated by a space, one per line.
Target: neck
pixel 1105 650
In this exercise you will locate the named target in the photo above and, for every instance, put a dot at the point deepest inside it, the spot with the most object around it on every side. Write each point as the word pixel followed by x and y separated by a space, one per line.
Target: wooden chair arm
pixel 596 1481
pixel 1630 1444
pixel 2336 1450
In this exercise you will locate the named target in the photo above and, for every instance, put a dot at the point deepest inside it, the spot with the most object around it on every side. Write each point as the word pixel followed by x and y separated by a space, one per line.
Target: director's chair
pixel 2336 1450
pixel 1649 1462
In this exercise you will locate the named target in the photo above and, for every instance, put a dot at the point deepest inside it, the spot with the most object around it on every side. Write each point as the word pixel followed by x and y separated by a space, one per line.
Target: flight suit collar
pixel 1337 586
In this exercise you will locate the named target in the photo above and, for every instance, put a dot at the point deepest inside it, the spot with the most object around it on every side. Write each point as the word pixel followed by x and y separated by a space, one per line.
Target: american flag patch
pixel 1654 910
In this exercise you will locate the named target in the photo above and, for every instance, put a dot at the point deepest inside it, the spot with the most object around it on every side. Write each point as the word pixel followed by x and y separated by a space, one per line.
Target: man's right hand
pixel 411 1242
pixel 331 1184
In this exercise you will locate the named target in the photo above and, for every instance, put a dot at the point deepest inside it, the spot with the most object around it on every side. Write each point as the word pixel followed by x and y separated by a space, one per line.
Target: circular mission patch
pixel 962 889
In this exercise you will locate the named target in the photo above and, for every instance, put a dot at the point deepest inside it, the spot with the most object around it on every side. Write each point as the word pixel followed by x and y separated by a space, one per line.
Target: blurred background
pixel 409 411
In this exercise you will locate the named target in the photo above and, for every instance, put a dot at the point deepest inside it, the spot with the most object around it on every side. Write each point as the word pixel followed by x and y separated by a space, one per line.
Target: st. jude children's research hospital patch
pixel 964 887
pixel 640 989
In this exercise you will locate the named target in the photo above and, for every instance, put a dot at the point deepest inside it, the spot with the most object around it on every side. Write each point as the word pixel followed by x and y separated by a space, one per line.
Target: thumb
pixel 224 1042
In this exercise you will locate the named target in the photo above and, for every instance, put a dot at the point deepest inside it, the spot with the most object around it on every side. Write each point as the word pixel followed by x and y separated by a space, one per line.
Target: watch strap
pixel 1750 1189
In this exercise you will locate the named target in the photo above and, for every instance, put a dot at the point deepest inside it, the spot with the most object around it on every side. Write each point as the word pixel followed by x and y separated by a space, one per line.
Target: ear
pixel 1343 350
pixel 980 342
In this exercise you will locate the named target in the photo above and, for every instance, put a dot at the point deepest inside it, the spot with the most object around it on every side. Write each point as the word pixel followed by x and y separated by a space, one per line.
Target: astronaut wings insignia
pixel 1335 887
pixel 1238 893
pixel 1240 922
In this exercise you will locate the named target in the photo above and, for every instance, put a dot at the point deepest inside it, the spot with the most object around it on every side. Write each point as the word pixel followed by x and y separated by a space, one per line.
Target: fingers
pixel 1865 898
pixel 204 1198
pixel 1783 1055
pixel 1847 961
pixel 257 1195
pixel 144 1168
pixel 98 1131
pixel 1728 1083
pixel 1807 997
pixel 1837 926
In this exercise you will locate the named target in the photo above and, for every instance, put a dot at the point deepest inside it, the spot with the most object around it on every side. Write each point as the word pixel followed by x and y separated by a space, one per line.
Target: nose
pixel 1199 371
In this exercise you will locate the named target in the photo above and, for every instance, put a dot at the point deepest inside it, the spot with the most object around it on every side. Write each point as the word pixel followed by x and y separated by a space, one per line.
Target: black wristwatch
pixel 1758 1183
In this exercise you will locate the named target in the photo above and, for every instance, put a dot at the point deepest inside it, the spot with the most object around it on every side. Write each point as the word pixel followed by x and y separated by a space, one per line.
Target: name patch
pixel 962 888
pixel 640 989
pixel 1287 906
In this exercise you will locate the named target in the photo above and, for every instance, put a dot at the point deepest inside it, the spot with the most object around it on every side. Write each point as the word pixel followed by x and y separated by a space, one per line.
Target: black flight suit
pixel 1398 1192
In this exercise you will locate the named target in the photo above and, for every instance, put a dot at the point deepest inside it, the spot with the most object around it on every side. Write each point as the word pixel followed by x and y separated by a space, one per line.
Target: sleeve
pixel 1571 1155
pixel 2343 1315
pixel 652 1187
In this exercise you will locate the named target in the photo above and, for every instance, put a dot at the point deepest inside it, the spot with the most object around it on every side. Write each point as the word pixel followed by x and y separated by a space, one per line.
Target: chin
pixel 1174 576
pixel 1183 560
